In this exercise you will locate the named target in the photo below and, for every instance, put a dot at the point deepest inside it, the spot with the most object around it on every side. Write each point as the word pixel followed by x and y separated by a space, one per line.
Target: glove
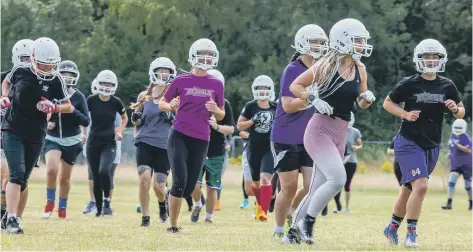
pixel 46 106
pixel 135 116
pixel 5 102
pixel 322 106
pixel 368 96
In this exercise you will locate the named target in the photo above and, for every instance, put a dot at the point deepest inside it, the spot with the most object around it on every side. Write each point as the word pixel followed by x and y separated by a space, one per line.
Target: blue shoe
pixel 89 208
pixel 195 214
pixel 392 236
pixel 244 204
pixel 411 240
pixel 138 209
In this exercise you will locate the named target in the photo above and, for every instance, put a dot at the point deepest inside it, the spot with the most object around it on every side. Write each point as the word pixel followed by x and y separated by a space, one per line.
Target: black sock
pixel 396 222
pixel 470 203
pixel 337 201
pixel 309 219
pixel 411 225
pixel 245 196
pixel 449 201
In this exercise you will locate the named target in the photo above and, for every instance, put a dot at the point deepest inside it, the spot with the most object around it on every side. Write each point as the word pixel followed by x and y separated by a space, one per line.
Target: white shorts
pixel 246 167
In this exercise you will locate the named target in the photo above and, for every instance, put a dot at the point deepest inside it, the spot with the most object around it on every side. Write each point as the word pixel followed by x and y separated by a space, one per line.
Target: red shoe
pixel 48 209
pixel 61 213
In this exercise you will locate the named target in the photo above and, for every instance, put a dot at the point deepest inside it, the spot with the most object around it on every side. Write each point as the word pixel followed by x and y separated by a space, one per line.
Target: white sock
pixel 278 229
pixel 12 215
pixel 198 203
pixel 208 216
pixel 107 199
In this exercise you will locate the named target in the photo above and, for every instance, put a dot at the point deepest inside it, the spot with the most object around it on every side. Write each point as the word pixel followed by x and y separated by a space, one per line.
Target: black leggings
pixel 21 155
pixel 100 157
pixel 186 155
pixel 350 168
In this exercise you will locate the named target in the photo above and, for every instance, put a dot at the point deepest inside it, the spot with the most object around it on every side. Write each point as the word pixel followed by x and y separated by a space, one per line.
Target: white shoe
pixel 335 210
pixel 347 211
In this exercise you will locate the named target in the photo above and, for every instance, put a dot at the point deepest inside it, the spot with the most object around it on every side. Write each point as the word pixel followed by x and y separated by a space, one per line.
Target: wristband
pixel 456 112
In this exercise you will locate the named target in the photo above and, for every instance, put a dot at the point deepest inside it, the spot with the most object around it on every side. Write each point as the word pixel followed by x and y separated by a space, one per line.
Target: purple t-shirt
pixel 290 128
pixel 192 118
pixel 459 158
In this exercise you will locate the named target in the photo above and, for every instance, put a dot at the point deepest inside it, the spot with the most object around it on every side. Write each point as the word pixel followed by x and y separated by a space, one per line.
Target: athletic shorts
pixel 213 168
pixel 246 167
pixel 290 157
pixel 260 162
pixel 154 157
pixel 68 153
pixel 414 161
pixel 397 172
pixel 465 170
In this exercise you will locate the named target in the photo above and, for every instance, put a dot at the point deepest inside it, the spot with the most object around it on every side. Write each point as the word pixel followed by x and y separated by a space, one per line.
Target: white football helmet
pixel 21 49
pixel 459 127
pixel 430 46
pixel 303 37
pixel 217 74
pixel 262 81
pixel 352 120
pixel 160 78
pixel 106 76
pixel 203 54
pixel 343 35
pixel 44 53
pixel 93 87
pixel 272 97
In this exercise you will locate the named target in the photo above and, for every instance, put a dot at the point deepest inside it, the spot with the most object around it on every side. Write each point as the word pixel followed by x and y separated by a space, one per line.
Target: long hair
pixel 325 70
pixel 147 96
pixel 294 57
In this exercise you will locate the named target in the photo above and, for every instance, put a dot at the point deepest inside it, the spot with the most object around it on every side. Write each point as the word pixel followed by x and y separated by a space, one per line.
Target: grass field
pixel 234 229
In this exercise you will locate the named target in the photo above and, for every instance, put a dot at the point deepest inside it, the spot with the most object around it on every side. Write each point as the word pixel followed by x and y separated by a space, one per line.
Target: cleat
pixel 107 210
pixel 217 206
pixel 392 236
pixel 138 209
pixel 163 213
pixel 48 209
pixel 13 227
pixel 61 213
pixel 195 214
pixel 325 211
pixel 411 240
pixel 260 214
pixel 292 237
pixel 4 220
pixel 447 207
pixel 244 204
pixel 89 208
pixel 145 221
pixel 208 221
pixel 173 229
pixel 305 231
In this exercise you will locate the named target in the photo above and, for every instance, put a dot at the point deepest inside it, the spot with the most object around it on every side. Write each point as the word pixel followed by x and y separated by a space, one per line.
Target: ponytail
pixel 295 56
pixel 143 99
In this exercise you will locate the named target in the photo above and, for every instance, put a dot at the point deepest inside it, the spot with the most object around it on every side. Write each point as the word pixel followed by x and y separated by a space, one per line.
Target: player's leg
pixel 246 177
pixel 93 159
pixel 266 191
pixel 197 195
pixel 467 172
pixel 215 167
pixel 219 190
pixel 91 206
pixel 113 169
pixel 350 169
pixel 284 198
pixel 254 161
pixel 107 157
pixel 161 167
pixel 53 155
pixel 5 173
pixel 452 181
pixel 275 184
pixel 306 171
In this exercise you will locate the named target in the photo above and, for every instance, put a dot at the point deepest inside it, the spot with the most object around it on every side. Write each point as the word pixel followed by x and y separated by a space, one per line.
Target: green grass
pixel 233 229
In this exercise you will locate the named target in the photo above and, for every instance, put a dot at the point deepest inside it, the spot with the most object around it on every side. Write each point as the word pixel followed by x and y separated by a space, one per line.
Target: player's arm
pixel 243 123
pixel 244 134
pixel 5 87
pixel 65 107
pixel 463 148
pixel 390 152
pixel 358 145
pixel 362 103
pixel 228 123
pixel 292 105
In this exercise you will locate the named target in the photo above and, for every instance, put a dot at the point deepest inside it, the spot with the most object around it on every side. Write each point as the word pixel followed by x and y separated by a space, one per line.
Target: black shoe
pixel 145 221
pixel 469 205
pixel 173 229
pixel 13 227
pixel 292 237
pixel 271 205
pixel 325 211
pixel 305 231
pixel 99 213
pixel 447 207
pixel 107 209
pixel 163 213
pixel 4 219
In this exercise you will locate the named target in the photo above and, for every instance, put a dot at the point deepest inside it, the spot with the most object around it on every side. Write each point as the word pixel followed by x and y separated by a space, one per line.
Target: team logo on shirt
pixel 264 121
pixel 45 88
pixel 200 92
pixel 429 98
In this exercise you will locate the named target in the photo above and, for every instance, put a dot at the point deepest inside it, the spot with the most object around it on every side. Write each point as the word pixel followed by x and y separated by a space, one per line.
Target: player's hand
pixel 174 104
pixel 368 96
pixel 211 106
pixel 451 105
pixel 256 118
pixel 322 106
pixel 5 102
pixel 412 116
pixel 46 106
pixel 227 147
pixel 51 125
pixel 118 134
pixel 213 122
pixel 83 138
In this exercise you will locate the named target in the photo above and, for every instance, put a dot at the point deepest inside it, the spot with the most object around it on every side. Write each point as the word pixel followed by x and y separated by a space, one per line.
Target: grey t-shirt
pixel 352 136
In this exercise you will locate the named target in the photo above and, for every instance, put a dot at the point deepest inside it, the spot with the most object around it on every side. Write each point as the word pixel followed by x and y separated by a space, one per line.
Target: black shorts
pixel 68 153
pixel 154 157
pixel 397 172
pixel 260 161
pixel 290 157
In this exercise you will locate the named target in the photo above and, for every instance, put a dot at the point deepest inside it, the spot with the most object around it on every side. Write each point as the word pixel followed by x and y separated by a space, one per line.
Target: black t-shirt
pixel 428 97
pixel 217 139
pixel 260 132
pixel 103 114
pixel 23 117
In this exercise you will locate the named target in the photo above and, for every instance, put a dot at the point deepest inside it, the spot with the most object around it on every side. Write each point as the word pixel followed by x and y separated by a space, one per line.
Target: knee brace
pixel 468 185
pixel 161 178
pixel 452 179
pixel 143 168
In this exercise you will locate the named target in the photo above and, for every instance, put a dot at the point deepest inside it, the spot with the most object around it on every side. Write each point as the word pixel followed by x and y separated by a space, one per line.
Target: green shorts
pixel 213 168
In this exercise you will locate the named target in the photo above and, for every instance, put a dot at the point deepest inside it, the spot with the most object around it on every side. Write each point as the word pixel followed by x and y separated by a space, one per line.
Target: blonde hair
pixel 325 70
pixel 147 96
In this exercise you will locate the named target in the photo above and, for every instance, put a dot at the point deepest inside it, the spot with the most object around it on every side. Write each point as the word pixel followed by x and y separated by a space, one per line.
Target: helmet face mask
pixel 430 56
pixel 161 71
pixel 45 58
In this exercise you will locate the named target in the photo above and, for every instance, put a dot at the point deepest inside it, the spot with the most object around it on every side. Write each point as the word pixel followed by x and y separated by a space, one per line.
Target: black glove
pixel 135 116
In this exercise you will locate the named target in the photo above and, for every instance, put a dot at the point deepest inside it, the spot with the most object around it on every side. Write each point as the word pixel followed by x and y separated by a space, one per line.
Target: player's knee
pixel 142 169
pixel 161 178
pixel 338 181
pixel 104 173
pixel 451 184
pixel 421 186
pixel 177 190
pixel 64 180
pixel 347 187
pixel 468 189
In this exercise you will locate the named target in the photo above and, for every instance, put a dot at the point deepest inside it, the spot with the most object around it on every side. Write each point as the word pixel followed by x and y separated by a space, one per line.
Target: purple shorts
pixel 414 161
pixel 465 170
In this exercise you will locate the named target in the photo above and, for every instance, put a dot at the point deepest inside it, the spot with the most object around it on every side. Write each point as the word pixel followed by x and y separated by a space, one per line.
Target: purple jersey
pixel 290 128
pixel 457 157
pixel 192 118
